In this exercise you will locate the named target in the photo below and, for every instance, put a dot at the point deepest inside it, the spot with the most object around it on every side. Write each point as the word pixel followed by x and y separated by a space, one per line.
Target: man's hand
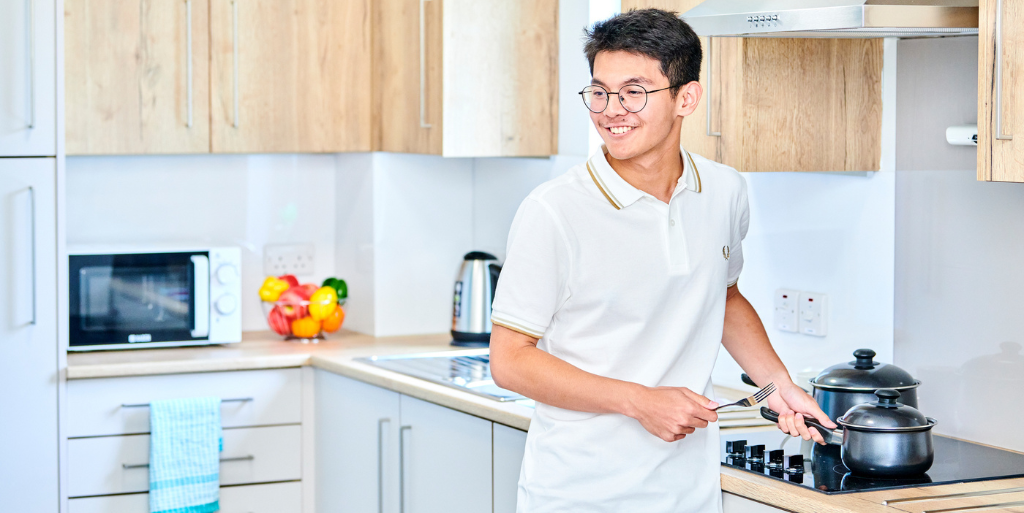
pixel 671 413
pixel 792 403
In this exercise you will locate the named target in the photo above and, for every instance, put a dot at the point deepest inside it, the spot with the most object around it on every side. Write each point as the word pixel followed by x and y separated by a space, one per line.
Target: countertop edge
pixel 793 498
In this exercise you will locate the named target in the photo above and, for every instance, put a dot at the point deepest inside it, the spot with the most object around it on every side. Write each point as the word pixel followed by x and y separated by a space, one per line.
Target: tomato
pixel 332 322
pixel 306 327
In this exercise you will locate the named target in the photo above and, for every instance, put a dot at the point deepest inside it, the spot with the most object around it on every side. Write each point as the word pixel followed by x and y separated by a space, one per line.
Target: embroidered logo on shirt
pixel 725 252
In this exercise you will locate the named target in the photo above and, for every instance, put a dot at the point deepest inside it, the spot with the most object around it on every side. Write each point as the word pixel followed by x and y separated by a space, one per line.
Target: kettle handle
pixel 495 271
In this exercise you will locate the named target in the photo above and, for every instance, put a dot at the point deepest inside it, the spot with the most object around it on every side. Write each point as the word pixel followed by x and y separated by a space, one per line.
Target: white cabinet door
pixel 732 503
pixel 265 498
pixel 444 460
pixel 509 447
pixel 28 93
pixel 357 446
pixel 28 333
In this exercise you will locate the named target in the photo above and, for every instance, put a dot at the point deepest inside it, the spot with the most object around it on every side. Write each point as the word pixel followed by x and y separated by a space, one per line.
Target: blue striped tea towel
pixel 184 455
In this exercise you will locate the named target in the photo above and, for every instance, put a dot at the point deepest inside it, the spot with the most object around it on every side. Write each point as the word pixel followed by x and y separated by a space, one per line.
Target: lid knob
pixel 865 358
pixel 887 397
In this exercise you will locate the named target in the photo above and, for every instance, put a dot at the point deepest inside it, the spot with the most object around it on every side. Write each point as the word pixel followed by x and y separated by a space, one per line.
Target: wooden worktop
pixel 265 350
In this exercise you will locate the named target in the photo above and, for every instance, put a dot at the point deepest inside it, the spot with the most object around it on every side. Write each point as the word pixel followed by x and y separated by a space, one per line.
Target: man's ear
pixel 688 98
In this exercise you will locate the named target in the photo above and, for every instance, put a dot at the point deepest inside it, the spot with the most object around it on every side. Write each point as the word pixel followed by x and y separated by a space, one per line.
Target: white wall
pixel 959 248
pixel 241 200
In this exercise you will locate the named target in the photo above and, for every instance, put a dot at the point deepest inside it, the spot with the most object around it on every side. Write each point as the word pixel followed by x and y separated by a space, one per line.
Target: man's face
pixel 630 134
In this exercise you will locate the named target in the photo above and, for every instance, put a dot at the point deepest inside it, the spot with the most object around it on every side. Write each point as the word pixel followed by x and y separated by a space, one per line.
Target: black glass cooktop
pixel 779 456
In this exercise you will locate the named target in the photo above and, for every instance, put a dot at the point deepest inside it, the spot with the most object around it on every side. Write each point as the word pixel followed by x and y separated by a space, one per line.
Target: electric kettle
pixel 474 292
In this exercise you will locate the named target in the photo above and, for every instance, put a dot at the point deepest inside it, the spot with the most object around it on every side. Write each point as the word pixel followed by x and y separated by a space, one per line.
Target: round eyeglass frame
pixel 621 100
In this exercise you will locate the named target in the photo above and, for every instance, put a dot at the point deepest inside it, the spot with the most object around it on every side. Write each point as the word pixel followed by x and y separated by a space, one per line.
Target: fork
pixel 759 396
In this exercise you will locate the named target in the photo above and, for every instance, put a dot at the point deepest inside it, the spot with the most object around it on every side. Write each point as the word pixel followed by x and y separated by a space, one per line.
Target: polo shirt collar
pixel 619 192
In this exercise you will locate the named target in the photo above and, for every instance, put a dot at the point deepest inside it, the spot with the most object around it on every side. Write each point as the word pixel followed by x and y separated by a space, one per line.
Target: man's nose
pixel 615 107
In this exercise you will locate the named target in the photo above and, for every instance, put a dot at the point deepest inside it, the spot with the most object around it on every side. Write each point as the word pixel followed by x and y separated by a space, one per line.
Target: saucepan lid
pixel 864 374
pixel 885 414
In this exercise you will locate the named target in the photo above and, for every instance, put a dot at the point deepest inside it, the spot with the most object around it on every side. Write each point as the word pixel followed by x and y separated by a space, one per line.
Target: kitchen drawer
pixel 95 405
pixel 96 465
pixel 265 498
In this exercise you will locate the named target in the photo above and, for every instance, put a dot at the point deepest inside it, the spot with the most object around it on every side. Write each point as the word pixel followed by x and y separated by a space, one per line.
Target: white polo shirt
pixel 619 284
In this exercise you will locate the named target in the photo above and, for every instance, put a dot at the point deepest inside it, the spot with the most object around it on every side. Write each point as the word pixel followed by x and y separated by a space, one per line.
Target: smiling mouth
pixel 619 130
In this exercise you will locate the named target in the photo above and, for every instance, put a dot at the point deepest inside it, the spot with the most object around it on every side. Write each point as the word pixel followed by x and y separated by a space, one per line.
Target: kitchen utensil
pixel 759 396
pixel 841 387
pixel 884 438
pixel 474 293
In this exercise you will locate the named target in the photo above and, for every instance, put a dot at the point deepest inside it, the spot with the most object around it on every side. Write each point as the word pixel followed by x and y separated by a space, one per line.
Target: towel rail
pixel 222 460
pixel 233 400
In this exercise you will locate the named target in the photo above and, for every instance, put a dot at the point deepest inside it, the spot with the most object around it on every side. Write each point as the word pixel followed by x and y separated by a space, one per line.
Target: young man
pixel 618 288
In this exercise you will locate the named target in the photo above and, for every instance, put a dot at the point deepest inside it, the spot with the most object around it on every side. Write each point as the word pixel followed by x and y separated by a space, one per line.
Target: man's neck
pixel 655 172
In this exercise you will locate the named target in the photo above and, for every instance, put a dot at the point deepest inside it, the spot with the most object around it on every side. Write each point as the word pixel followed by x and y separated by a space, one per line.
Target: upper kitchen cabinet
pixel 466 78
pixel 137 76
pixel 290 76
pixel 1000 90
pixel 28 83
pixel 780 104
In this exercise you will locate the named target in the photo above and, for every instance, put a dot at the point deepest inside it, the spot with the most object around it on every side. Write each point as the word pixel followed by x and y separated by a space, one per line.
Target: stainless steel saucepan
pixel 885 438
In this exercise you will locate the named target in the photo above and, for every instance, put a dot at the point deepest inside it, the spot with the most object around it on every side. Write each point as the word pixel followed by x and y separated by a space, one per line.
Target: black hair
pixel 654 33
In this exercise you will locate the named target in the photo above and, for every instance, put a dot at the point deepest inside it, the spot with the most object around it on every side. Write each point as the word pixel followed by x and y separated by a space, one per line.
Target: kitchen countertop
pixel 265 350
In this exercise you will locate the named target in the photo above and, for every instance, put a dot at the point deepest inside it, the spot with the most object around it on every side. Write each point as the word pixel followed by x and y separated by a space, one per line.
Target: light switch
pixel 786 301
pixel 813 313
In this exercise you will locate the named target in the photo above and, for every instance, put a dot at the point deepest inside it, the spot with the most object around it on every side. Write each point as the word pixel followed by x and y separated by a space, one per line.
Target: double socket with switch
pixel 801 312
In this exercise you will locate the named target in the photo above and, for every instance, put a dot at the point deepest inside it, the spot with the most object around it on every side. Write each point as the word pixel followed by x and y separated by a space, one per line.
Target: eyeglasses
pixel 632 97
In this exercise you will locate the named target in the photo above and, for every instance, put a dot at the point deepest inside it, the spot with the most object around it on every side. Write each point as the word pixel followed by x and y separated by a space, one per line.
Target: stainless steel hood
pixel 834 18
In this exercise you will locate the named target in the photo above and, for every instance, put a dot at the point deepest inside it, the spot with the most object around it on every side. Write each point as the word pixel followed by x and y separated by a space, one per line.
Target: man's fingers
pixel 805 432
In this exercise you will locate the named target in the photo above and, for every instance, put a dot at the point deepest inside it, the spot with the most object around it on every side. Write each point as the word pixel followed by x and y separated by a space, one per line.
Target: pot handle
pixel 832 436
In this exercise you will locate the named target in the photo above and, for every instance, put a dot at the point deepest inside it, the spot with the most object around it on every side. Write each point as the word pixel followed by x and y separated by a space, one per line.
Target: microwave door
pixel 201 297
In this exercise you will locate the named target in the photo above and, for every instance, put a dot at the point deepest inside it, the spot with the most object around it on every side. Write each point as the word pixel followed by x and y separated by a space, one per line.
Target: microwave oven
pixel 129 298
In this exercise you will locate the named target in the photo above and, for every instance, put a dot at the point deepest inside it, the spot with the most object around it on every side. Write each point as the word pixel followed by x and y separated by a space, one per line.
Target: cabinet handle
pixel 999 74
pixel 234 400
pixel 31 76
pixel 234 53
pixel 423 66
pixel 711 54
pixel 188 59
pixel 380 463
pixel 401 467
pixel 127 466
pixel 32 227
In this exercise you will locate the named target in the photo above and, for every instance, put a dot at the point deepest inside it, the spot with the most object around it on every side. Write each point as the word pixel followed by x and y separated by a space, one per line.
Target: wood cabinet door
pixel 137 76
pixel 28 335
pixel 28 85
pixel 445 459
pixel 407 53
pixel 290 76
pixel 357 446
pixel 1000 90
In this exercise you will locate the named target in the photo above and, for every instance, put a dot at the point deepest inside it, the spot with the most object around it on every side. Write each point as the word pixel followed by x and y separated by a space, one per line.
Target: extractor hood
pixel 834 18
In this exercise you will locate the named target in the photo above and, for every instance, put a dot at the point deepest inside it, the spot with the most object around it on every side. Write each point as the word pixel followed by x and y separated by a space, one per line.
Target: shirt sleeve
pixel 533 281
pixel 741 215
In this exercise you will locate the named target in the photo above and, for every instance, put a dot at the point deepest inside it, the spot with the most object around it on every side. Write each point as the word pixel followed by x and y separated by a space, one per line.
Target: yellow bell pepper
pixel 323 302
pixel 272 288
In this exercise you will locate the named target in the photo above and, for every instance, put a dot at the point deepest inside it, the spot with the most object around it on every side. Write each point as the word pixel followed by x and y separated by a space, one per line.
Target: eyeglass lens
pixel 632 97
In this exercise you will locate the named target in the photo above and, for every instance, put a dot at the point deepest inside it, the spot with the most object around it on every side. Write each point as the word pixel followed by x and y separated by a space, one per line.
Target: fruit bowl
pixel 293 320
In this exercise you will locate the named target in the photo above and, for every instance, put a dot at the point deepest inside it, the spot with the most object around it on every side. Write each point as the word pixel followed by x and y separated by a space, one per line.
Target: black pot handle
pixel 834 437
pixel 746 379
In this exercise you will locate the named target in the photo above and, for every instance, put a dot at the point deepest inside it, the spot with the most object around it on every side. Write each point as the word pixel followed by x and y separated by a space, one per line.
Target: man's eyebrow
pixel 630 80
pixel 595 81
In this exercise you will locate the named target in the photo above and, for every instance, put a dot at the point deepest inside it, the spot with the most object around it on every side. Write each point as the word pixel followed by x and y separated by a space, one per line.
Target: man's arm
pixel 669 413
pixel 746 340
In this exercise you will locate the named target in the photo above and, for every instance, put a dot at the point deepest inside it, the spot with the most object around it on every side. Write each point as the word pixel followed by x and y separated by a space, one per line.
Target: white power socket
pixel 786 301
pixel 813 314
pixel 298 259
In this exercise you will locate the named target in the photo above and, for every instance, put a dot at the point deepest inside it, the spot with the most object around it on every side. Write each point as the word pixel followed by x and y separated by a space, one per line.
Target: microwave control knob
pixel 226 304
pixel 227 273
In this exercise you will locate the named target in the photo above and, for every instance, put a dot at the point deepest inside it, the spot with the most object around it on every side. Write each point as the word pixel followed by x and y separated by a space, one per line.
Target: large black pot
pixel 884 438
pixel 841 387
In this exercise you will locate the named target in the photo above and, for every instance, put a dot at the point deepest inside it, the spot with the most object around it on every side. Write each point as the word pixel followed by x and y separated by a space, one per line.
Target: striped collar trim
pixel 620 193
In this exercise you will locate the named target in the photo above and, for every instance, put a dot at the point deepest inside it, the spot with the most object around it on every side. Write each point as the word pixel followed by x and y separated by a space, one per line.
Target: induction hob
pixel 956 461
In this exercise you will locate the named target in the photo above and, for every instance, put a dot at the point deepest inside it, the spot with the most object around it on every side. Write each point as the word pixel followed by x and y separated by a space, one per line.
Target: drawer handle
pixel 235 400
pixel 127 466
pixel 31 67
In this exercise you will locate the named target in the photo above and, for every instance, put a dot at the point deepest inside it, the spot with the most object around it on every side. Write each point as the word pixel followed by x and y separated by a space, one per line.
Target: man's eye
pixel 597 94
pixel 635 93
